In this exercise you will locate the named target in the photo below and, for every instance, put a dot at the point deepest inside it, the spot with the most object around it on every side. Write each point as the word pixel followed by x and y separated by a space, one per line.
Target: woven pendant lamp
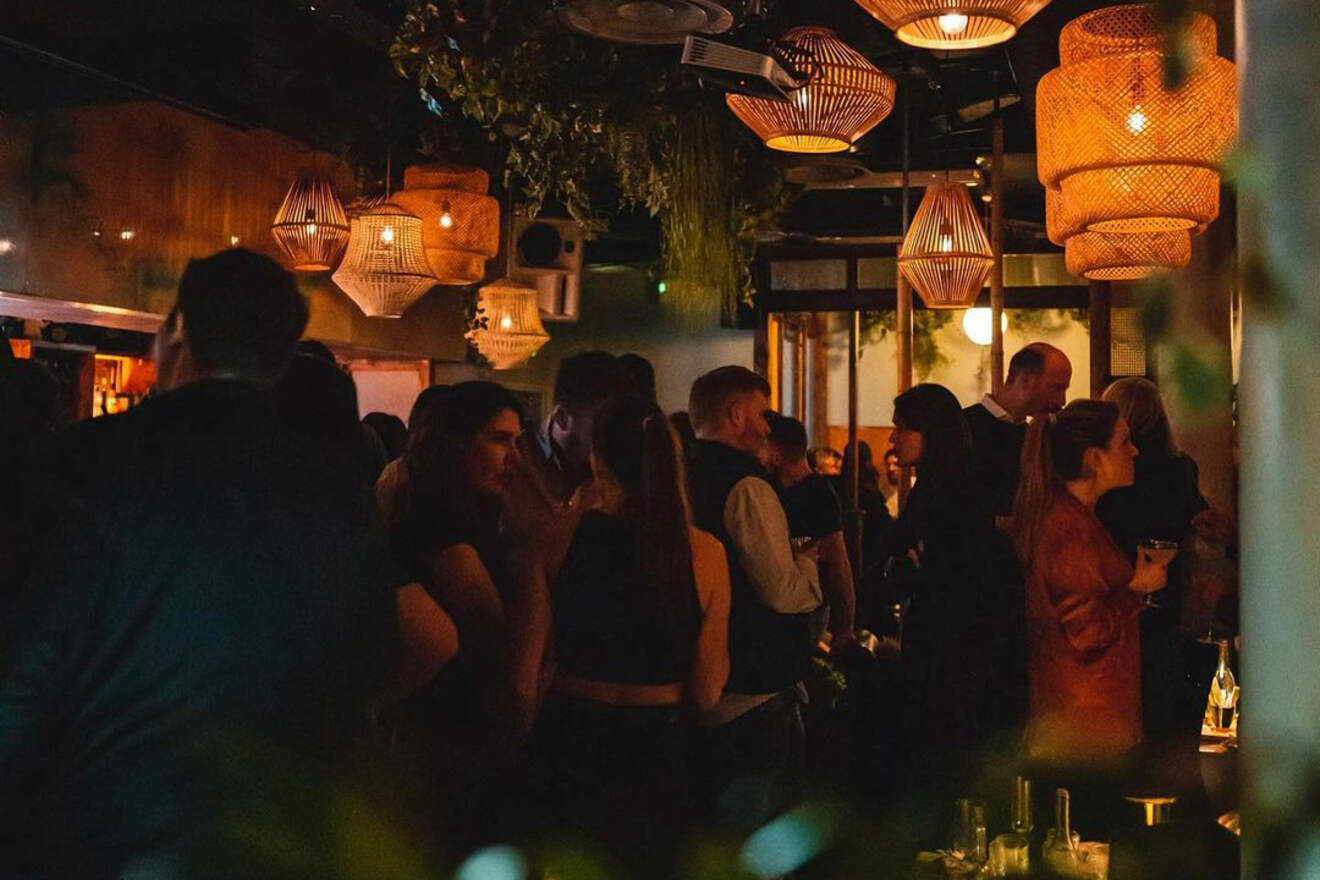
pixel 460 222
pixel 946 255
pixel 310 225
pixel 844 99
pixel 1127 154
pixel 1108 256
pixel 509 329
pixel 953 24
pixel 384 270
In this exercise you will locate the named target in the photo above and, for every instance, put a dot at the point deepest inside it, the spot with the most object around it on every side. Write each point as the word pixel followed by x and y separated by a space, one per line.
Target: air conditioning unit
pixel 547 255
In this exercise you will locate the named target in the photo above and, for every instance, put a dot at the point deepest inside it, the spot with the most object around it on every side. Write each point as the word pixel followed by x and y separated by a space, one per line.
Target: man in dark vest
pixel 1037 384
pixel 756 728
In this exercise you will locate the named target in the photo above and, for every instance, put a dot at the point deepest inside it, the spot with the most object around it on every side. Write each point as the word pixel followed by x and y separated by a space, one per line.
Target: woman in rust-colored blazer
pixel 1084 647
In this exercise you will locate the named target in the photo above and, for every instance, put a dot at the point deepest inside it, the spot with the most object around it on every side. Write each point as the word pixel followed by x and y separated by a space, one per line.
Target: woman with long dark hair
pixel 630 632
pixel 961 628
pixel 1084 652
pixel 445 528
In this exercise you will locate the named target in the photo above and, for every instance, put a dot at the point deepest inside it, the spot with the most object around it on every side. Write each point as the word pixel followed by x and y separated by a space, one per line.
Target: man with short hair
pixel 1037 384
pixel 209 608
pixel 814 516
pixel 756 727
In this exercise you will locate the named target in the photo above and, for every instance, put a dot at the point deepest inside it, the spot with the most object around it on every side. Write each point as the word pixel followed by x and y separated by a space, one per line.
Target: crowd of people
pixel 228 604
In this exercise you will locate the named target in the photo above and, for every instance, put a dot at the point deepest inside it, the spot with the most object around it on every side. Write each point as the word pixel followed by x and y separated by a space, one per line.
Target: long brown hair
pixel 635 441
pixel 1138 401
pixel 1053 454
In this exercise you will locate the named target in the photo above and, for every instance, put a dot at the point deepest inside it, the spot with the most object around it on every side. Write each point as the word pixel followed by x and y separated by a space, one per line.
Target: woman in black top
pixel 962 632
pixel 631 629
pixel 444 525
pixel 1163 502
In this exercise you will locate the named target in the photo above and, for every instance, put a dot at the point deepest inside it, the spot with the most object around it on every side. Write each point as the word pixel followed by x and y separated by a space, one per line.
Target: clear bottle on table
pixel 1010 854
pixel 1221 708
pixel 1060 852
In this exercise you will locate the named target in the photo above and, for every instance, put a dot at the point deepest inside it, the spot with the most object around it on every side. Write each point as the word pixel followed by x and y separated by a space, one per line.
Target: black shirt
pixel 812 507
pixel 998 446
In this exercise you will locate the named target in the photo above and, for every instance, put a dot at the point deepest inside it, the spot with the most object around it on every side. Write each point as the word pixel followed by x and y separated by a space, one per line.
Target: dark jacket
pixel 196 646
pixel 998 448
pixel 768 651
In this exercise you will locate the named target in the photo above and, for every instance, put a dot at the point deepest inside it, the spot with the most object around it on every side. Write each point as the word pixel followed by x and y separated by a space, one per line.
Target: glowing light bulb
pixel 446 218
pixel 946 238
pixel 310 229
pixel 952 23
pixel 802 98
pixel 233 241
pixel 977 324
pixel 387 235
pixel 6 245
pixel 506 323
pixel 1137 121
pixel 126 234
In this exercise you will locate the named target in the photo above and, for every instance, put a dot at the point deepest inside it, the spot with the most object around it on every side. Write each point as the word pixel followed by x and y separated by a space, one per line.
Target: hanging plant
pixel 926 354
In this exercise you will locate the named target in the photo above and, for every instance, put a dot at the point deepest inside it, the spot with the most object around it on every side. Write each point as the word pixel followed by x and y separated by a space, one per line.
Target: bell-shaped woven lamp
pixel 845 97
pixel 946 255
pixel 460 223
pixel 1126 153
pixel 384 270
pixel 310 225
pixel 1121 256
pixel 953 24
pixel 509 329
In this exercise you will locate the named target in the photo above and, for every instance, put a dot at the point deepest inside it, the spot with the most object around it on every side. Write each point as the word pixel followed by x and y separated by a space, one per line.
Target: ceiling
pixel 317 70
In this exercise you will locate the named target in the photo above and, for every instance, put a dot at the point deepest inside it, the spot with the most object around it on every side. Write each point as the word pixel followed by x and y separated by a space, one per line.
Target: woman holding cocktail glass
pixel 1083 595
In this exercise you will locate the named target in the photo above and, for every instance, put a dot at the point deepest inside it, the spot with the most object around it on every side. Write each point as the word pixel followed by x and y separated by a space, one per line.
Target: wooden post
pixel 997 246
pixel 819 429
pixel 853 476
pixel 774 360
pixel 1099 320
pixel 800 368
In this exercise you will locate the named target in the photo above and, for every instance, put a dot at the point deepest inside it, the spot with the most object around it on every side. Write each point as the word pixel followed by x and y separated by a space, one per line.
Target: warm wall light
pixel 960 24
pixel 1125 153
pixel 461 224
pixel 384 269
pixel 845 97
pixel 310 225
pixel 512 330
pixel 978 324
pixel 946 254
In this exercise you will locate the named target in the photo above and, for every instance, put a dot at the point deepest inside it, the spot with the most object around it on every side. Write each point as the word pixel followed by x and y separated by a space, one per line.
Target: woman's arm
pixel 1090 611
pixel 530 622
pixel 428 640
pixel 710 661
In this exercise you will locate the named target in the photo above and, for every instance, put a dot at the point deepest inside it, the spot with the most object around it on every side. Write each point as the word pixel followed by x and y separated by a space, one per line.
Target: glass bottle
pixel 1060 850
pixel 1221 709
pixel 1011 852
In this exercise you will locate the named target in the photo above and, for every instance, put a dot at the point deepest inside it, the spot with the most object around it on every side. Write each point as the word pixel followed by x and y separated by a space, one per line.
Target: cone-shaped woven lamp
pixel 953 24
pixel 509 329
pixel 946 254
pixel 844 99
pixel 310 225
pixel 1127 154
pixel 460 223
pixel 384 270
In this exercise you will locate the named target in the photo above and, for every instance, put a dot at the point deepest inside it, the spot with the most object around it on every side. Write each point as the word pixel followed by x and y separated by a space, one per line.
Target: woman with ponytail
pixel 1082 593
pixel 630 628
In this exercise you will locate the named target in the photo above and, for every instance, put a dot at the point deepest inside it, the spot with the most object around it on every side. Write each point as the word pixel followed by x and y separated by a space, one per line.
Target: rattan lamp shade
pixel 512 330
pixel 1110 256
pixel 953 24
pixel 946 254
pixel 310 225
pixel 384 270
pixel 845 98
pixel 458 247
pixel 1127 154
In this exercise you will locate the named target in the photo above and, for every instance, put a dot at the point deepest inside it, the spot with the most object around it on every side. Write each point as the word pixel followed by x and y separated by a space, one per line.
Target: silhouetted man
pixel 201 632
pixel 1037 384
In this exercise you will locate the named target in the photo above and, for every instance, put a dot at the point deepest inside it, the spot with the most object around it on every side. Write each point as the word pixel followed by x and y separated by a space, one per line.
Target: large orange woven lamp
pixel 1113 256
pixel 460 222
pixel 946 255
pixel 1127 154
pixel 310 225
pixel 845 97
pixel 953 24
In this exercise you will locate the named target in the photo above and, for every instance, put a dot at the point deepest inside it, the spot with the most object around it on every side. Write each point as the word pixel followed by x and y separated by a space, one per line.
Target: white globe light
pixel 977 326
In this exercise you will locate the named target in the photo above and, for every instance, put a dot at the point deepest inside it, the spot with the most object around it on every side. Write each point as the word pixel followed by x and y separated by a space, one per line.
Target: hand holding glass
pixel 1152 572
